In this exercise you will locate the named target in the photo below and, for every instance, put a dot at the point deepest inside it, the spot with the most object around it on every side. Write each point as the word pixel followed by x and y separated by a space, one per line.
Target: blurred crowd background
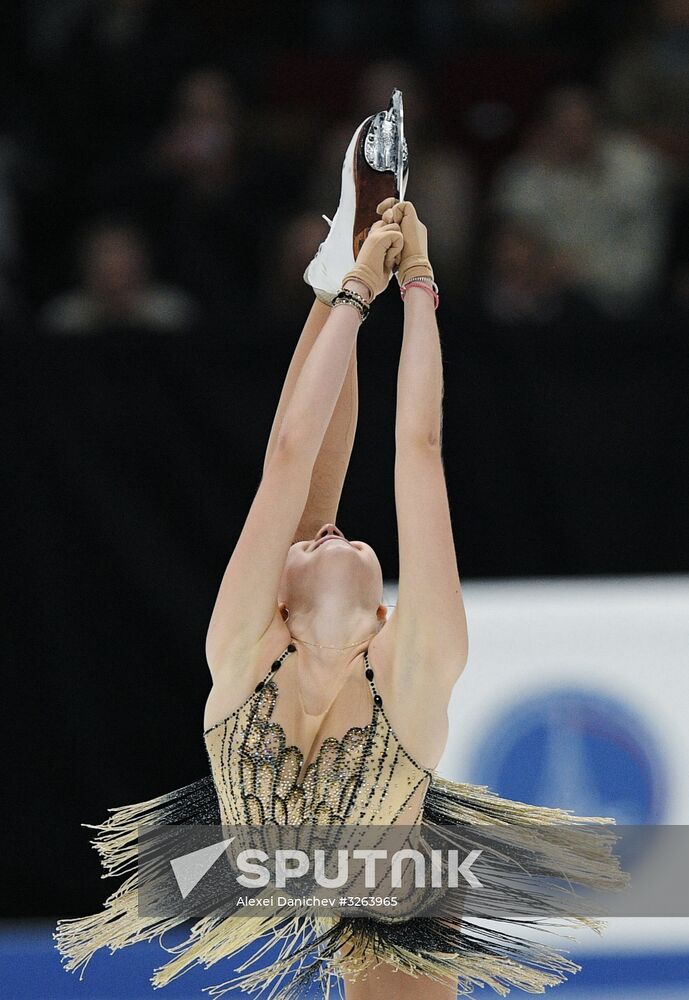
pixel 165 166
pixel 164 169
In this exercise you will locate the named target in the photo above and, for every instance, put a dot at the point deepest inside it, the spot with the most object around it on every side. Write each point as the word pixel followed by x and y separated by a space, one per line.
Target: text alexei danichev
pixel 326 901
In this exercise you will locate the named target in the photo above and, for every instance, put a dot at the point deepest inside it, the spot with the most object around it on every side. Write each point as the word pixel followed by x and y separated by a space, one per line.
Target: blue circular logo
pixel 575 749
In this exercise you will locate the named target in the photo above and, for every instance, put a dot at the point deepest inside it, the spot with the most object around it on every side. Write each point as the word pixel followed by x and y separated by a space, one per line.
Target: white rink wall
pixel 576 694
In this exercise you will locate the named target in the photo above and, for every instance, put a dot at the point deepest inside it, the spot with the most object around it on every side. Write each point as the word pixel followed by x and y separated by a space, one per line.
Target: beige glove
pixel 380 252
pixel 414 262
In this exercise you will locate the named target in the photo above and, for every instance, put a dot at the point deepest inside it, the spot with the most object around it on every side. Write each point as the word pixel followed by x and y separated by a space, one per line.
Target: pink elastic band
pixel 420 284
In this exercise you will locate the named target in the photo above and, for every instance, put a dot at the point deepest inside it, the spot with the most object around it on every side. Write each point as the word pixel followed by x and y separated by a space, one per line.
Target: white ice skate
pixel 376 167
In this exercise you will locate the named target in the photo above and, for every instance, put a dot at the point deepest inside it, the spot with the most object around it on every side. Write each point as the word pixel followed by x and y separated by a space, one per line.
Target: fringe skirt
pixel 294 950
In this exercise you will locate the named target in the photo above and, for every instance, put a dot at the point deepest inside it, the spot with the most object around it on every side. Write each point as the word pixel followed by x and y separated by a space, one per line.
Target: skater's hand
pixel 379 253
pixel 414 262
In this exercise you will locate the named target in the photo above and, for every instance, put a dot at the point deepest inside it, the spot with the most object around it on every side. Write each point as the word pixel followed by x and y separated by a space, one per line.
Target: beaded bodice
pixel 365 777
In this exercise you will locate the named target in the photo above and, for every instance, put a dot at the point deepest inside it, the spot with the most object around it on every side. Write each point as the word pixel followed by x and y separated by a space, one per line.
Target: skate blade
pixel 381 166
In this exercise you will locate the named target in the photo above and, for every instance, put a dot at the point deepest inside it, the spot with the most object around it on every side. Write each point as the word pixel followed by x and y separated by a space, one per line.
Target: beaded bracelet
pixel 346 297
pixel 422 279
pixel 427 284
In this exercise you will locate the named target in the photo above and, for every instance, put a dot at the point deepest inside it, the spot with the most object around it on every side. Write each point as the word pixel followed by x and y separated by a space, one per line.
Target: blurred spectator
pixel 647 86
pixel 647 83
pixel 524 281
pixel 204 190
pixel 199 144
pixel 117 290
pixel 600 196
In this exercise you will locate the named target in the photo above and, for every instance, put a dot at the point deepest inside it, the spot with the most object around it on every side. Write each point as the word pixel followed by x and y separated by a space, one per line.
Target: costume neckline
pixel 377 709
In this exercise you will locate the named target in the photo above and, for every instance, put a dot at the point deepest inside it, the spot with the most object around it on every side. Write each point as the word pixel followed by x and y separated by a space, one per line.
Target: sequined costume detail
pixel 365 777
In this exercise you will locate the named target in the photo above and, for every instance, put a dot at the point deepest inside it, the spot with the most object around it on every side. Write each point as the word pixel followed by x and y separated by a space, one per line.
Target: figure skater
pixel 323 708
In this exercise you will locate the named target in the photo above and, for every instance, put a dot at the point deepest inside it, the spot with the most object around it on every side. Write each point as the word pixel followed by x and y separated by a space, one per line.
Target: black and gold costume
pixel 365 777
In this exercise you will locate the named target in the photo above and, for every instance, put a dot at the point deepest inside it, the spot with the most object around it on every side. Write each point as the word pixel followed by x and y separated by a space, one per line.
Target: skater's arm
pixel 330 469
pixel 247 599
pixel 430 624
